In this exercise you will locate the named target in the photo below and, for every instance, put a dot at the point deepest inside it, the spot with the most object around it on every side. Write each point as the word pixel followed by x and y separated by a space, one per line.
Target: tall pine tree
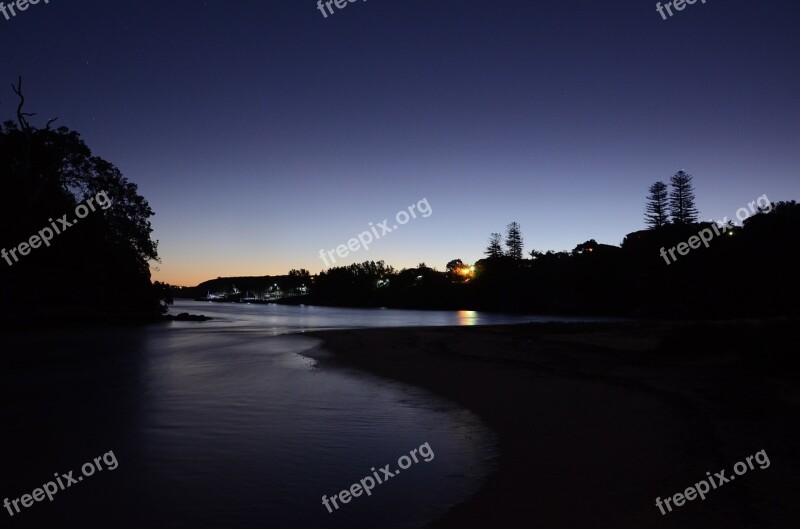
pixel 681 199
pixel 494 250
pixel 514 241
pixel 657 209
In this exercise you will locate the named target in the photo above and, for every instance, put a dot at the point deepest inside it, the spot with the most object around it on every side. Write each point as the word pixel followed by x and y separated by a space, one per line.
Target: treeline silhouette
pixel 96 270
pixel 747 271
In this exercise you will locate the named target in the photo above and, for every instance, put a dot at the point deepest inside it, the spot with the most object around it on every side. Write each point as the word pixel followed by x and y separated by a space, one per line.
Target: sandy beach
pixel 595 421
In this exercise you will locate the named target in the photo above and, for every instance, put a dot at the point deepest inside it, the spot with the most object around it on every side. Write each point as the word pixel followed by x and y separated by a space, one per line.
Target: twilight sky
pixel 262 132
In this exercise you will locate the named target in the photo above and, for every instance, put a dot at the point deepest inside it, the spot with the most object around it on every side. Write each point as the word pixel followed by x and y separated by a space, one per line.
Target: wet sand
pixel 595 421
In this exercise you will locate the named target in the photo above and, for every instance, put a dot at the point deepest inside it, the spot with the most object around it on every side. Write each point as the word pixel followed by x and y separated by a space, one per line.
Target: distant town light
pixel 466 271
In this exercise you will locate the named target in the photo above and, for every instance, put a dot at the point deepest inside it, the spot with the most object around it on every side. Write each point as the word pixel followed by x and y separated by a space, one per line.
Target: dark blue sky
pixel 261 132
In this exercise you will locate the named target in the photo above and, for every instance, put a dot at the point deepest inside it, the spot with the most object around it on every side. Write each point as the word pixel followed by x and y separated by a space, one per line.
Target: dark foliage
pixel 97 269
pixel 746 271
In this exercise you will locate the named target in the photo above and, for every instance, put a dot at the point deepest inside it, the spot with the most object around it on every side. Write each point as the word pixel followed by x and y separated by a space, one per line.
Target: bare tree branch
pixel 20 114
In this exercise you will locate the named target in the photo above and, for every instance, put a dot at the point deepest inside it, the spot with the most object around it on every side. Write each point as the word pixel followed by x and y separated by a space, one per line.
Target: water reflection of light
pixel 467 317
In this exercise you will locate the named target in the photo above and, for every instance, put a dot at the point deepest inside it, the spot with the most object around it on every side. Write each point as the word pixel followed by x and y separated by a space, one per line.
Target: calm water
pixel 226 424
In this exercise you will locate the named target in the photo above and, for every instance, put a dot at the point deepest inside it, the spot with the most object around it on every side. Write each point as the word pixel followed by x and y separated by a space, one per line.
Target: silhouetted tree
pixel 681 199
pixel 455 264
pixel 657 209
pixel 106 257
pixel 297 279
pixel 514 241
pixel 495 248
pixel 453 267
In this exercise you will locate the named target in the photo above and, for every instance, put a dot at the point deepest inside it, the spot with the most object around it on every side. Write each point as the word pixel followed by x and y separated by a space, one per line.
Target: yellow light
pixel 466 271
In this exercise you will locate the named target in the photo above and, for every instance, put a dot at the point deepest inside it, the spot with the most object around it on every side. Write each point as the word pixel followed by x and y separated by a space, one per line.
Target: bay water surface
pixel 226 423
